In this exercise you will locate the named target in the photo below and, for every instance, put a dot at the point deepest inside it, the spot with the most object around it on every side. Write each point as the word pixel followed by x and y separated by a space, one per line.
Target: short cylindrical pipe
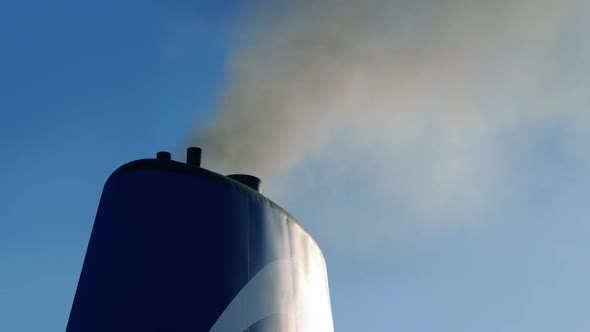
pixel 248 180
pixel 193 156
pixel 164 155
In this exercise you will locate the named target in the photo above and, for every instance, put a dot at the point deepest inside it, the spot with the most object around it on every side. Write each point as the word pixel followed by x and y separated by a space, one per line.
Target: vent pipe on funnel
pixel 164 155
pixel 248 180
pixel 193 156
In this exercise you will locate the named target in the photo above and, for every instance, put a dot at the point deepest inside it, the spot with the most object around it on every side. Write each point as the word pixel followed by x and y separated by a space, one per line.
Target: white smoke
pixel 427 95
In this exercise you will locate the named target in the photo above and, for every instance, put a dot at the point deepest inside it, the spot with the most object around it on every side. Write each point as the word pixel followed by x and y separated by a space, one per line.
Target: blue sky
pixel 86 87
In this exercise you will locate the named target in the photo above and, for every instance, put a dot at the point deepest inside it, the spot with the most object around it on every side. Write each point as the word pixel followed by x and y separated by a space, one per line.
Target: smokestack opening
pixel 164 155
pixel 248 180
pixel 193 156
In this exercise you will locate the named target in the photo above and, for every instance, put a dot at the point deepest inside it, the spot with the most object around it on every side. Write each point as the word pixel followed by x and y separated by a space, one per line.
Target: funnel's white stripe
pixel 269 292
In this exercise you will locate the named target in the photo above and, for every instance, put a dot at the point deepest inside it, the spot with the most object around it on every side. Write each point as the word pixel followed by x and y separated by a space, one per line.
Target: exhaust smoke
pixel 435 100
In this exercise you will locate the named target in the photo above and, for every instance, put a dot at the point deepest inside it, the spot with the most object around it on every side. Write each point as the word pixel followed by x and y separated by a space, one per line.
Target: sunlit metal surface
pixel 179 248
